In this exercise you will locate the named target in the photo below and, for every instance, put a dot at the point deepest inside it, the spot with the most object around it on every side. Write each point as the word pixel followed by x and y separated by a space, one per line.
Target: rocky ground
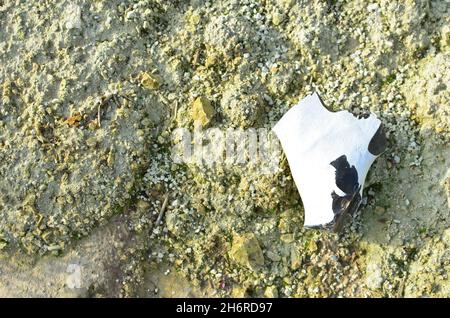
pixel 92 205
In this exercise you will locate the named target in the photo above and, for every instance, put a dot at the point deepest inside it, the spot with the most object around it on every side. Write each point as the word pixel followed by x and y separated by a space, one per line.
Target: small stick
pixel 104 100
pixel 163 208
pixel 98 116
pixel 174 117
pixel 126 97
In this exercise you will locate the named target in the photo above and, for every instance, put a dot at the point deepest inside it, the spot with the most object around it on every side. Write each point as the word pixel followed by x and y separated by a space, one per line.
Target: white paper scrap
pixel 329 154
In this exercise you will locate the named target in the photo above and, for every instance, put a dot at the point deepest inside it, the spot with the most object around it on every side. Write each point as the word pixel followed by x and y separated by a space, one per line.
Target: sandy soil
pixel 92 205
